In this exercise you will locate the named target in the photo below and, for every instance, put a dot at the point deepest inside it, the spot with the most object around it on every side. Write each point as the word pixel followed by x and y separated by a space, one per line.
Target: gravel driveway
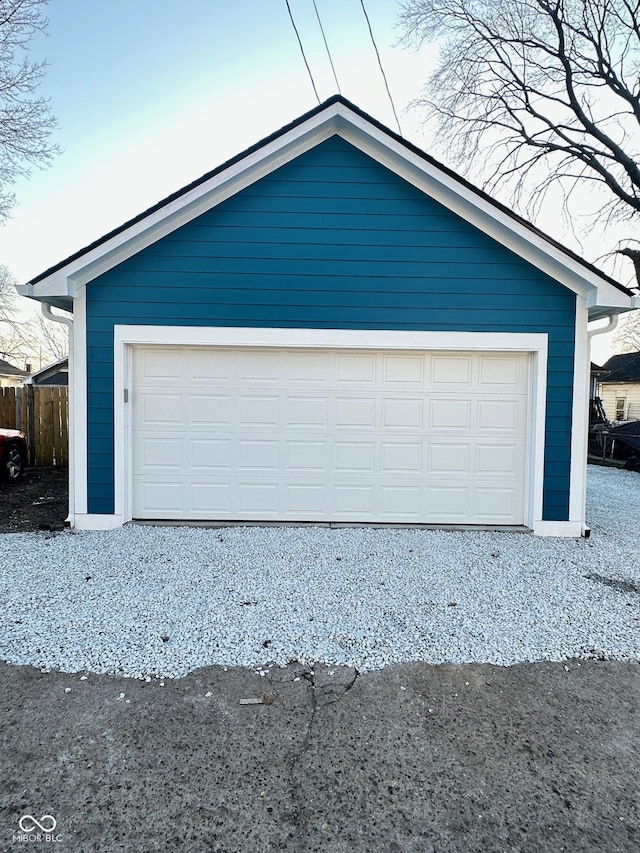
pixel 151 602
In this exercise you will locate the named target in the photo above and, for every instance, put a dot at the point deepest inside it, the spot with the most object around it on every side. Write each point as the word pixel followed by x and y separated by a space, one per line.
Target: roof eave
pixel 604 296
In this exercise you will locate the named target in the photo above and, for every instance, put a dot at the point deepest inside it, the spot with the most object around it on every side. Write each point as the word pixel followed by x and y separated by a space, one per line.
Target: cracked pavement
pixel 537 757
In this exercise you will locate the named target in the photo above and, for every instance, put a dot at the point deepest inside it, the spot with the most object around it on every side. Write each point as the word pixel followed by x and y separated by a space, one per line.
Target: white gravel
pixel 160 601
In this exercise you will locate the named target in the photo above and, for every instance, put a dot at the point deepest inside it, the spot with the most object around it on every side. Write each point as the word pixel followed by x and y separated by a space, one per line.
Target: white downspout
pixel 68 322
pixel 601 330
pixel 611 325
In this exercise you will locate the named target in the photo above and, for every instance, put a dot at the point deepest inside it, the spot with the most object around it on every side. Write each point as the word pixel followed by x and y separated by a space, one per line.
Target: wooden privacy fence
pixel 42 413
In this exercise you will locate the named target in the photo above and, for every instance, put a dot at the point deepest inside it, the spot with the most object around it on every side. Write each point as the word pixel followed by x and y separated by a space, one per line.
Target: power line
pixel 295 29
pixel 324 38
pixel 384 76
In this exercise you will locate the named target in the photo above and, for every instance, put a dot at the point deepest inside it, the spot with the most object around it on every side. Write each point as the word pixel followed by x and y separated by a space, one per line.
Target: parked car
pixel 13 454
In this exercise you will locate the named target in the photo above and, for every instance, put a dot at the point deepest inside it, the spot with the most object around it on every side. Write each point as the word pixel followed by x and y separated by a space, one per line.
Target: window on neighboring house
pixel 620 406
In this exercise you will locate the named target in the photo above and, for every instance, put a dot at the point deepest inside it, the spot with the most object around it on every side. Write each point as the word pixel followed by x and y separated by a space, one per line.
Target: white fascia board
pixel 55 285
pixel 478 211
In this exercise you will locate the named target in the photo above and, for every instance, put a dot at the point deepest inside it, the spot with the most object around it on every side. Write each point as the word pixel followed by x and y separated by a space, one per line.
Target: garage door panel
pixel 262 365
pixel 495 504
pixel 259 498
pixel 209 497
pixel 356 368
pixel 153 364
pixel 209 409
pixel 448 370
pixel 403 370
pixel 353 501
pixel 210 453
pixel 403 413
pixel 258 456
pixel 163 453
pixel 446 503
pixel 307 411
pixel 352 412
pixel 163 496
pixel 449 415
pixel 306 498
pixel 503 373
pixel 500 415
pixel 402 502
pixel 447 458
pixel 306 456
pixel 161 408
pixel 256 410
pixel 308 368
pixel 401 457
pixel 202 366
pixel 499 459
pixel 329 436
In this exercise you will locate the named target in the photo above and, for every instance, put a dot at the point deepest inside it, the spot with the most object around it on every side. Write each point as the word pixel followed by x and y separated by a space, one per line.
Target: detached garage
pixel 332 327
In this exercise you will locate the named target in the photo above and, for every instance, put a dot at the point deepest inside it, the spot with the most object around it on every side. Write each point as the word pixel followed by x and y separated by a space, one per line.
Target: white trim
pixel 537 420
pixel 244 336
pixel 92 521
pixel 335 118
pixel 580 418
pixel 127 337
pixel 573 529
pixel 78 407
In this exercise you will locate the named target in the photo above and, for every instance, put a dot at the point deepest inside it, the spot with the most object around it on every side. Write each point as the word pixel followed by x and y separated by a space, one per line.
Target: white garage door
pixel 329 435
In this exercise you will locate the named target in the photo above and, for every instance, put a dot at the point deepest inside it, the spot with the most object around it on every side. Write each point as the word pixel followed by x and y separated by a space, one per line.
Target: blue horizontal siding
pixel 331 240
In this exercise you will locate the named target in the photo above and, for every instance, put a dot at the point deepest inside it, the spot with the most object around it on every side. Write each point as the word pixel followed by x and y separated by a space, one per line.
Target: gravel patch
pixel 161 602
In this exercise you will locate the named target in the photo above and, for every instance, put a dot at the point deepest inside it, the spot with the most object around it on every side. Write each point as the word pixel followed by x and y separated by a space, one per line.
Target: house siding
pixel 629 391
pixel 330 240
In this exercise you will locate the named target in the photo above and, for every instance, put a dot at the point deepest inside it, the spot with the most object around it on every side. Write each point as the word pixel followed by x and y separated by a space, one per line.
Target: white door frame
pixel 128 337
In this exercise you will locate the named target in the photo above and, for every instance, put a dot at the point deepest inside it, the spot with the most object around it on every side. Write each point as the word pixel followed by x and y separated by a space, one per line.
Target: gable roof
pixel 336 116
pixel 7 369
pixel 39 377
pixel 623 368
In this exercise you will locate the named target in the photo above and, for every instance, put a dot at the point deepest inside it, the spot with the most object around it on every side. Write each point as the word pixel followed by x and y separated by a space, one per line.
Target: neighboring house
pixel 620 387
pixel 595 375
pixel 330 327
pixel 11 376
pixel 56 374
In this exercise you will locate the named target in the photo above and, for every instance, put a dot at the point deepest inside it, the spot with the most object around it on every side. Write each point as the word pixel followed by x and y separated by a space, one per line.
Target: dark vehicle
pixel 13 454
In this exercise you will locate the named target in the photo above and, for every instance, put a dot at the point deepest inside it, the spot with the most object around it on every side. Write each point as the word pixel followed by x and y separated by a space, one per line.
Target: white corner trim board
pixel 127 338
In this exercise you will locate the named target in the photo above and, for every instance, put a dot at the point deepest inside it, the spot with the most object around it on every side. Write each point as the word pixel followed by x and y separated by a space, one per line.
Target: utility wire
pixel 384 76
pixel 324 38
pixel 295 29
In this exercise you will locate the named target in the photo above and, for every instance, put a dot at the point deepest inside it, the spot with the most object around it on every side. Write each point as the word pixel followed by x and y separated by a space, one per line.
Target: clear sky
pixel 151 94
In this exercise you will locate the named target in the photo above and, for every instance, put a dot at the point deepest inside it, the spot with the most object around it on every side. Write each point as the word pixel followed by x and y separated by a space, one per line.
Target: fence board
pixel 42 413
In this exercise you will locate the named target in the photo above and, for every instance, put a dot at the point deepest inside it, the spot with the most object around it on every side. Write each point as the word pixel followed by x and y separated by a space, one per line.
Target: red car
pixel 13 454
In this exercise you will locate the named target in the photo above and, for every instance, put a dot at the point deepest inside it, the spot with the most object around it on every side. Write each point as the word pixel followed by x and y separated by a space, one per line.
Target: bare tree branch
pixel 25 119
pixel 32 340
pixel 528 91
